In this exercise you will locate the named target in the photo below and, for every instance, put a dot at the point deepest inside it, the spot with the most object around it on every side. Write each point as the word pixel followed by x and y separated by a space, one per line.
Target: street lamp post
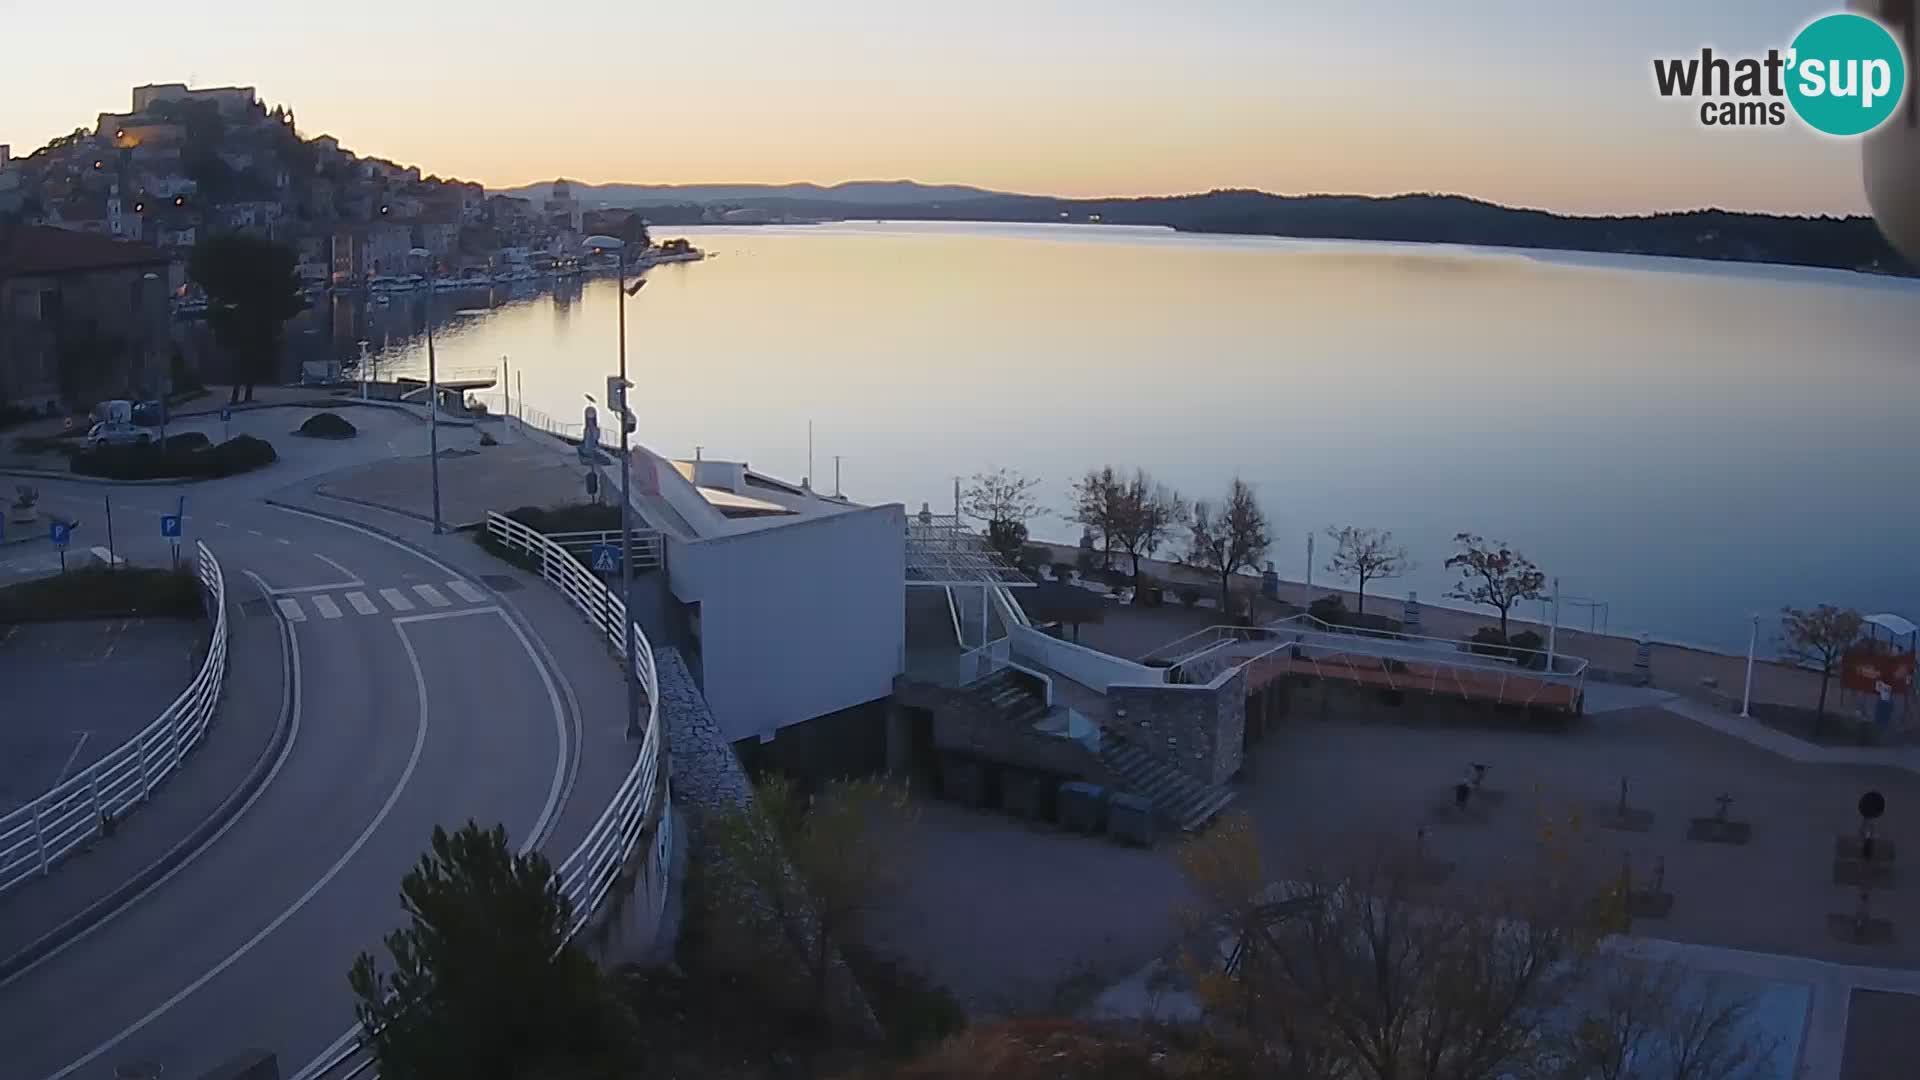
pixel 1753 639
pixel 433 419
pixel 617 400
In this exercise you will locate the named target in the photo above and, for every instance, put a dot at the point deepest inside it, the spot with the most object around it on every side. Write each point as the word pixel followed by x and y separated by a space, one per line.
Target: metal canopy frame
pixel 943 553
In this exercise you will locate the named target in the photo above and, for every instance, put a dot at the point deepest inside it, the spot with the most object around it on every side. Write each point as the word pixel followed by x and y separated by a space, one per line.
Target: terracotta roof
pixel 43 249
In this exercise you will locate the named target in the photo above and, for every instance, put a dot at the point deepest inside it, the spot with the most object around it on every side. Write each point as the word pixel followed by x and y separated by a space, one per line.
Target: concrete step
pixel 1179 798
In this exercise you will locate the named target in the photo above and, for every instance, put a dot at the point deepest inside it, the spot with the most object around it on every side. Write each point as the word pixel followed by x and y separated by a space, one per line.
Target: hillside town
pixel 116 211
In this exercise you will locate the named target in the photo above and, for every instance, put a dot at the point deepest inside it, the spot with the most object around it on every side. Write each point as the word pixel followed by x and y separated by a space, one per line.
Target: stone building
pixel 82 317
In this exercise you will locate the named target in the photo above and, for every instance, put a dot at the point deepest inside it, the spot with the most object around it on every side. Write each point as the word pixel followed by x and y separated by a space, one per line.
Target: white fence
pixel 589 874
pixel 88 804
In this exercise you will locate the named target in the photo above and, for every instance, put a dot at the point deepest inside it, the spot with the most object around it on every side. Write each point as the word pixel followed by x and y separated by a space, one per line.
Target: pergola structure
pixel 942 553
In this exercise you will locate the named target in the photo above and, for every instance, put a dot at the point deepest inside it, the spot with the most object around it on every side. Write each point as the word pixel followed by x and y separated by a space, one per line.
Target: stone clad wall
pixel 1200 730
pixel 961 724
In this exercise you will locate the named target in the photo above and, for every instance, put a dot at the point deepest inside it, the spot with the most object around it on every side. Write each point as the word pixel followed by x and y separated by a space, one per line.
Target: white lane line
pixel 290 608
pixel 222 525
pixel 396 599
pixel 257 532
pixel 466 592
pixel 328 609
pixel 71 758
pixel 332 586
pixel 337 566
pixel 393 797
pixel 284 540
pixel 432 596
pixel 460 613
pixel 361 604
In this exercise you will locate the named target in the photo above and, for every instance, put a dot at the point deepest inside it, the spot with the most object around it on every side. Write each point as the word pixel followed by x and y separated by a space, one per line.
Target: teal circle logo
pixel 1846 74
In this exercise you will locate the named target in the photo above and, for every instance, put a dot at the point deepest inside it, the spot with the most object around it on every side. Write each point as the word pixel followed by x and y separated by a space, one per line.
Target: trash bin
pixel 1130 819
pixel 1082 806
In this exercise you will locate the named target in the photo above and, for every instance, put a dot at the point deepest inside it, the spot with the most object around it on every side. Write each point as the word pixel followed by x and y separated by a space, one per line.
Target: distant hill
pixel 865 192
pixel 1851 243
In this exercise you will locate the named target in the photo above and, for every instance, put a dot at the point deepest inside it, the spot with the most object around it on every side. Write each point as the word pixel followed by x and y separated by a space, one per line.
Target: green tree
pixel 803 873
pixel 485 985
pixel 253 288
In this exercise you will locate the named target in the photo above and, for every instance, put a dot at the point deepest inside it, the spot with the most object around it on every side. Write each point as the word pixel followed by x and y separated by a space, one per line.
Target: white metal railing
pixel 589 874
pixel 649 553
pixel 977 664
pixel 86 805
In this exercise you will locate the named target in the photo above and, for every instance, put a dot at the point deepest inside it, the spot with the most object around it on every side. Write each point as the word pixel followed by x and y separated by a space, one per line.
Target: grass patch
pixel 243 453
pixel 95 592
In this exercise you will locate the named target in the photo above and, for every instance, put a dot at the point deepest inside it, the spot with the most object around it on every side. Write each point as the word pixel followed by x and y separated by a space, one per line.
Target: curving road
pixel 415 701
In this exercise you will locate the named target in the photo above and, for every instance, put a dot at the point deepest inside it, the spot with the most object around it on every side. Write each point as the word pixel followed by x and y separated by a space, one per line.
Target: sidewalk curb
pixel 81 478
pixel 111 904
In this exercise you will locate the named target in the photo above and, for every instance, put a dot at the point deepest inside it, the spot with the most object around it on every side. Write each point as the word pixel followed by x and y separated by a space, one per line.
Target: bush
pixel 67 443
pixel 1035 556
pixel 1330 609
pixel 15 415
pixel 1529 649
pixel 1189 596
pixel 95 592
pixel 1087 560
pixel 185 442
pixel 243 453
pixel 487 439
pixel 327 425
pixel 1063 571
pixel 1489 641
pixel 574 517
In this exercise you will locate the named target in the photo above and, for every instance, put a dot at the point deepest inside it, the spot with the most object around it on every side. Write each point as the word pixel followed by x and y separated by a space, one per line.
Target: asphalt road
pixel 418 703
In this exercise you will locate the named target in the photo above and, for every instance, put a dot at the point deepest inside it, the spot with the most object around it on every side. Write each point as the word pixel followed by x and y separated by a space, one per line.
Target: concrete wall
pixel 1088 667
pixel 961 723
pixel 1198 729
pixel 797 621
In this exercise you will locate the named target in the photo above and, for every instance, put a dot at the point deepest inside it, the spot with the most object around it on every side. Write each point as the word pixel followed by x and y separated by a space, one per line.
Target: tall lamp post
pixel 433 418
pixel 617 401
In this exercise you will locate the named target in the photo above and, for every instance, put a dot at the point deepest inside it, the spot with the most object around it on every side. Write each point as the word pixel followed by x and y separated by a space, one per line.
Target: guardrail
pixel 589 874
pixel 86 805
pixel 649 552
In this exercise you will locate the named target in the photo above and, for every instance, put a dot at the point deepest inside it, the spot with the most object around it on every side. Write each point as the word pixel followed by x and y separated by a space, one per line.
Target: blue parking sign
pixel 60 533
pixel 170 526
pixel 605 558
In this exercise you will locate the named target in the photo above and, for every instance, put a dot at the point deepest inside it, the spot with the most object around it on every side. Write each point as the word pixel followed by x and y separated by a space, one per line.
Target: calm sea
pixel 1686 442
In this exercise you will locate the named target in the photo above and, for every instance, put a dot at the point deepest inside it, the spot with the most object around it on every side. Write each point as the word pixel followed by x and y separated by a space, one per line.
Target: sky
pixel 1546 104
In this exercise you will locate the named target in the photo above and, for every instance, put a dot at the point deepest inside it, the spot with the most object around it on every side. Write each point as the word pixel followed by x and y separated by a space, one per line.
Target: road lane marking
pixel 350 574
pixel 290 608
pixel 361 604
pixel 466 592
pixel 328 609
pixel 257 532
pixel 71 758
pixel 393 797
pixel 332 586
pixel 290 718
pixel 284 540
pixel 396 599
pixel 222 524
pixel 434 616
pixel 432 596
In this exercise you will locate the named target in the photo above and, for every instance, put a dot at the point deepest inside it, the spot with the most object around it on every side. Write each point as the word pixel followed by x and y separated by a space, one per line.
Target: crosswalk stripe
pixel 361 604
pixel 432 596
pixel 466 592
pixel 290 608
pixel 396 599
pixel 328 609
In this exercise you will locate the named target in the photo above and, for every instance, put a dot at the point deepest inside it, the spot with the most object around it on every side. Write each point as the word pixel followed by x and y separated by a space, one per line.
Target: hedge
pixel 242 453
pixel 95 592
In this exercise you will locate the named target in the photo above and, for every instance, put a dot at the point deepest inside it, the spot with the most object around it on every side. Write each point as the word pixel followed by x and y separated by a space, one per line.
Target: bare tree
pixel 1819 638
pixel 1230 538
pixel 1145 513
pixel 1366 555
pixel 1097 504
pixel 1375 973
pixel 1003 501
pixel 1494 575
pixel 1659 1021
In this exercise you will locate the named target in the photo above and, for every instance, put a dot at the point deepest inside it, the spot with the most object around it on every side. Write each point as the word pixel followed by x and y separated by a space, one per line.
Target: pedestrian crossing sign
pixel 605 558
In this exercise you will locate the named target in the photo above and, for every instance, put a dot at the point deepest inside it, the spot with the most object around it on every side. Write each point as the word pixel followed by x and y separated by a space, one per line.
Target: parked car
pixel 117 434
pixel 148 413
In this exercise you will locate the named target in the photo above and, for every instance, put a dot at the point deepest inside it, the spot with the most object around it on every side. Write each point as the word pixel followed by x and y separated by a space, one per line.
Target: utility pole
pixel 433 419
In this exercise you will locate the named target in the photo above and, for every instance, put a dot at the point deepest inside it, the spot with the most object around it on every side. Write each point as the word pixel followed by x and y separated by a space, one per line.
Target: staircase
pixel 1177 797
pixel 1009 696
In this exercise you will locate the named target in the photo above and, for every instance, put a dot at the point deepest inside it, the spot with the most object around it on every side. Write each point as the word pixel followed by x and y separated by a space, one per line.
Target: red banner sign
pixel 1866 668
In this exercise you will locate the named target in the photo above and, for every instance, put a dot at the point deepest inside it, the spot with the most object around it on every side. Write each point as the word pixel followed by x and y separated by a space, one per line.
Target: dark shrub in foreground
pixel 327 425
pixel 240 454
pixel 95 592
